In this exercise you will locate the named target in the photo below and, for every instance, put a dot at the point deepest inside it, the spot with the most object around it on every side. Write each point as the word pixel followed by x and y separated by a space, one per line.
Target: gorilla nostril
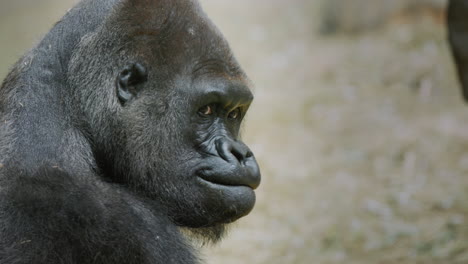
pixel 249 154
pixel 232 151
pixel 238 154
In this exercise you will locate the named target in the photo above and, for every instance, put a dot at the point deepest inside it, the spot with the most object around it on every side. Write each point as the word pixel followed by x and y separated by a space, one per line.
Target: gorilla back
pixel 118 129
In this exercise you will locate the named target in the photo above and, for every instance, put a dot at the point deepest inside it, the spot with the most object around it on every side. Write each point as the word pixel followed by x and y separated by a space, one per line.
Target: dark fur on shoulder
pixel 52 217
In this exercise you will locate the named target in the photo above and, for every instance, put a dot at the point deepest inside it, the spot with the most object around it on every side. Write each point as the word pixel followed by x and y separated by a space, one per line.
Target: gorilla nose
pixel 231 151
pixel 238 154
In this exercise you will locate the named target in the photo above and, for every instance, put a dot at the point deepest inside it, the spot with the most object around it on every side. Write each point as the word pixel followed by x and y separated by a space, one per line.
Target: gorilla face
pixel 164 117
pixel 211 171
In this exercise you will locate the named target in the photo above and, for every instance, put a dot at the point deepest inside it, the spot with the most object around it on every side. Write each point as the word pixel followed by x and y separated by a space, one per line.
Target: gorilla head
pixel 162 99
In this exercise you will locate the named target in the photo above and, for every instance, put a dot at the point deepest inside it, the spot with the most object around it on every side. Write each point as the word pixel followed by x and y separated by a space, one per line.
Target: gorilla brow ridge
pixel 217 66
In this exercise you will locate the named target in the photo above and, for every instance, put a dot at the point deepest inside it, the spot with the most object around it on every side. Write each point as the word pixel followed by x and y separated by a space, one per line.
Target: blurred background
pixel 358 124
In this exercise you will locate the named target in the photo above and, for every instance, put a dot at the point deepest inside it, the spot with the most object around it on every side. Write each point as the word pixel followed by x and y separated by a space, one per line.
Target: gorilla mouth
pixel 227 179
pixel 223 184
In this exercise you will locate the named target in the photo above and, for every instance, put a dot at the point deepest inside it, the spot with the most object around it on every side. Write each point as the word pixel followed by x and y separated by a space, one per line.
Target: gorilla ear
pixel 129 80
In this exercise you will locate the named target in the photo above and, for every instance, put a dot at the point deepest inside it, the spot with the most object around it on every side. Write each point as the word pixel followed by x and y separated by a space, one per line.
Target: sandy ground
pixel 361 139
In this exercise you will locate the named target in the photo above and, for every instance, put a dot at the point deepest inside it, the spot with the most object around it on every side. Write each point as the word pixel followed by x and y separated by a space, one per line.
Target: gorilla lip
pixel 209 176
pixel 223 184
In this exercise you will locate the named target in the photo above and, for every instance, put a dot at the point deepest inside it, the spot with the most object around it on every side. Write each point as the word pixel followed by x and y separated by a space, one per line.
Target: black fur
pixel 118 129
pixel 457 21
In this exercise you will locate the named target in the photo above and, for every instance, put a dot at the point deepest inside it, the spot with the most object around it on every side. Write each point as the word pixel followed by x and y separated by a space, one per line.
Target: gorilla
pixel 457 22
pixel 119 138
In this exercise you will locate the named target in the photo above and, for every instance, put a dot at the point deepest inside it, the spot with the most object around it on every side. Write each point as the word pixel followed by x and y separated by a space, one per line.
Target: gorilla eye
pixel 206 110
pixel 234 114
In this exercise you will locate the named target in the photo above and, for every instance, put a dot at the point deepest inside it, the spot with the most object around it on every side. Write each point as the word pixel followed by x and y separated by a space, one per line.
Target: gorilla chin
pixel 227 204
pixel 237 201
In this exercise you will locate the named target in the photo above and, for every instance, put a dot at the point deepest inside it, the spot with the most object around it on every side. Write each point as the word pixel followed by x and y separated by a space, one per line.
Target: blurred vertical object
pixel 353 16
pixel 457 20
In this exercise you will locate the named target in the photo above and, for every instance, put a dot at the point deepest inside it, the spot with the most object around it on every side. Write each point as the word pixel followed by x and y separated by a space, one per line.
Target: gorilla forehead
pixel 174 31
